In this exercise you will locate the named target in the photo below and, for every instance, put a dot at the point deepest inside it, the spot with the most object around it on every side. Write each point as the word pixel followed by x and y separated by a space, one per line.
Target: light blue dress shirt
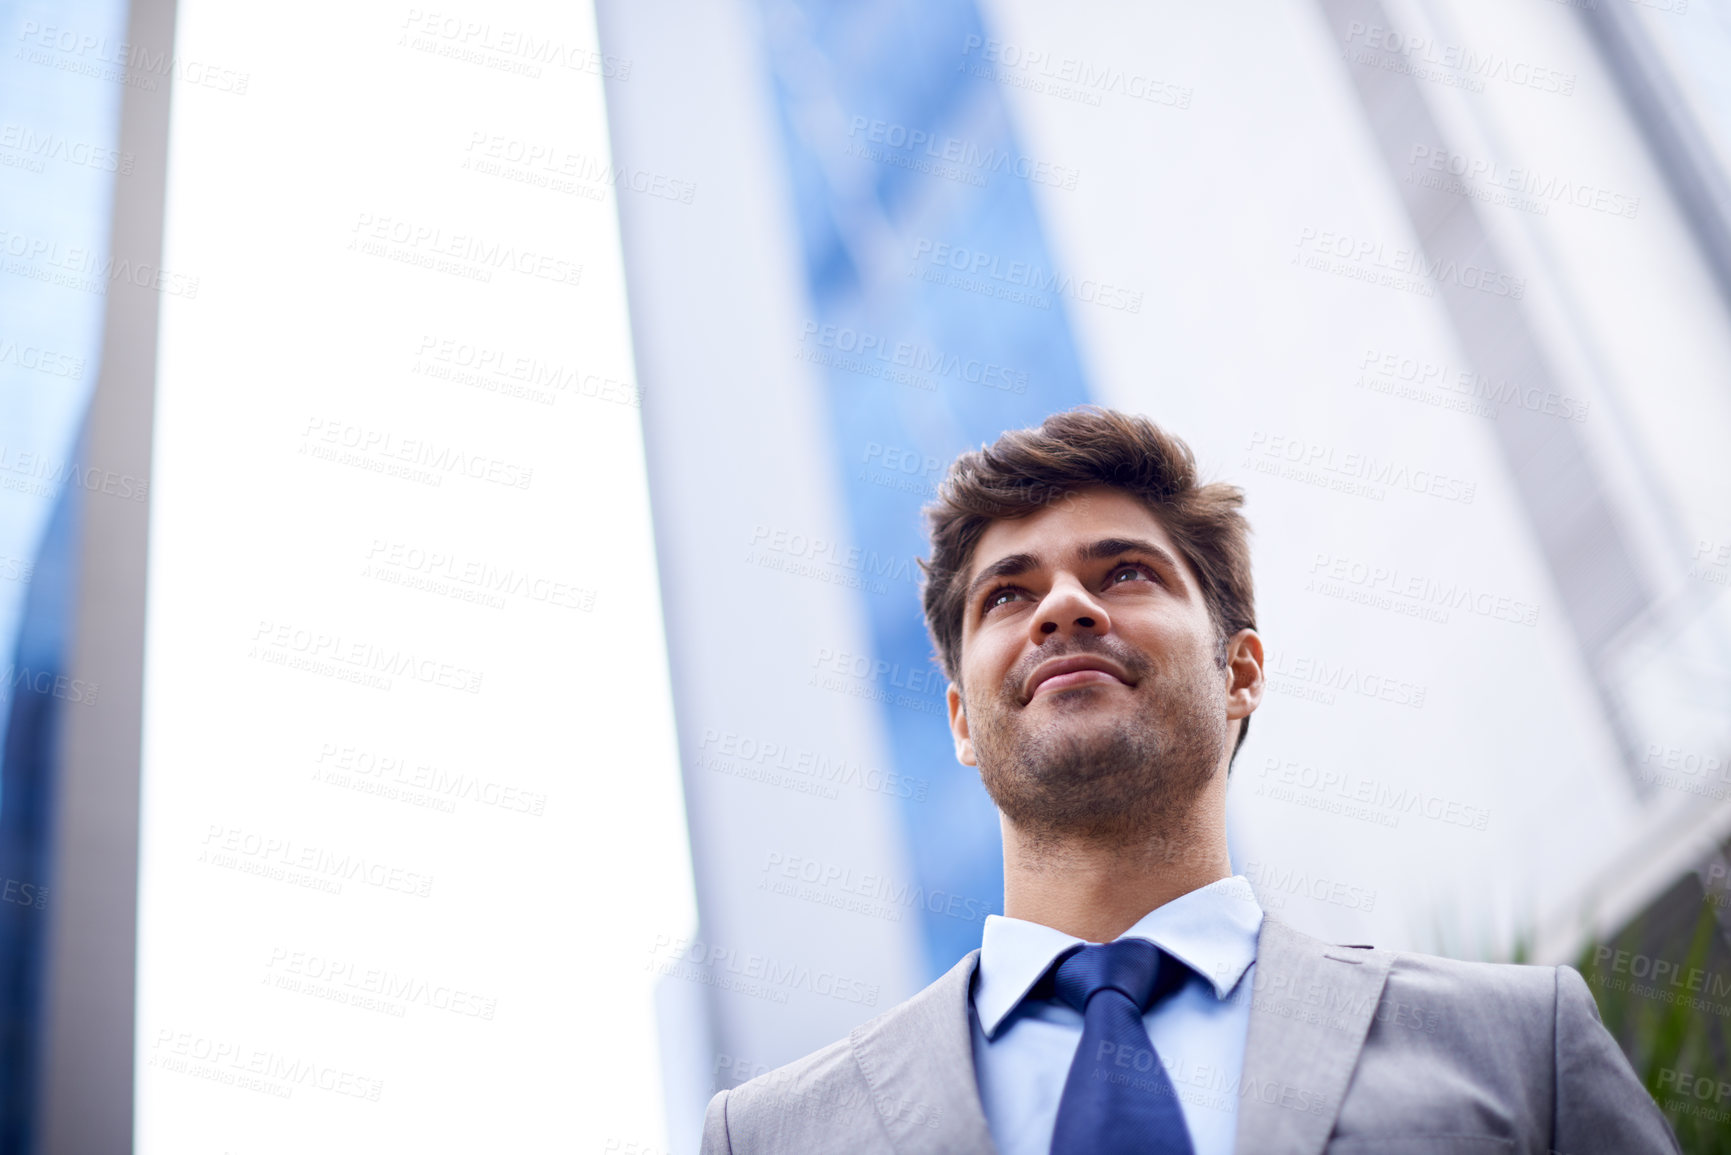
pixel 1022 1049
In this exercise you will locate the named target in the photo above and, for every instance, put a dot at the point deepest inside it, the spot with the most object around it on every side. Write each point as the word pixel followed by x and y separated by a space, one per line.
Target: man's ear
pixel 959 726
pixel 1244 680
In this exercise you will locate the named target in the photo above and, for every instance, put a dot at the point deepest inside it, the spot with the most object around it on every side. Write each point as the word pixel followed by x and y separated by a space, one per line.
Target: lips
pixel 1064 673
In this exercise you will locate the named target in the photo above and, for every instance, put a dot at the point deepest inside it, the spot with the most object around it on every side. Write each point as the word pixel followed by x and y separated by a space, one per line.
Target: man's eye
pixel 1144 571
pixel 998 596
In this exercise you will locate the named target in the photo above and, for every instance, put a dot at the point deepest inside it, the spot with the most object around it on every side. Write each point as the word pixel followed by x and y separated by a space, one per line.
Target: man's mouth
pixel 1068 673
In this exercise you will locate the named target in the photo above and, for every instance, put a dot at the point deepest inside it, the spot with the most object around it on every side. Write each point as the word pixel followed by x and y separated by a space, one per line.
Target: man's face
pixel 1096 702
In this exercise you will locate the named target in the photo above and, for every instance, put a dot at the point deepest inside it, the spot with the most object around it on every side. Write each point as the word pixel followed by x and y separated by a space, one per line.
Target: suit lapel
pixel 919 1064
pixel 1311 1007
pixel 1309 1013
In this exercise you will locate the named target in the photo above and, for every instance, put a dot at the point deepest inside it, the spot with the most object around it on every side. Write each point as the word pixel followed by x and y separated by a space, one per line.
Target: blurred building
pixel 579 380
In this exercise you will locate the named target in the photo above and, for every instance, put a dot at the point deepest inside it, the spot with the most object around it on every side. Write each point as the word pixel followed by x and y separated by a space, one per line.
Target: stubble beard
pixel 1130 782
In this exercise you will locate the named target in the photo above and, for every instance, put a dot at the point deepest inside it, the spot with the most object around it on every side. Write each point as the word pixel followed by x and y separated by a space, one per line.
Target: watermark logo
pixel 1361 797
pixel 1011 279
pixel 953 158
pixel 463 255
pixel 1276 884
pixel 1446 63
pixel 331 655
pixel 1062 77
pixel 1346 471
pixel 1321 680
pixel 503 48
pixel 752 974
pixel 799 768
pixel 1403 269
pixel 300 864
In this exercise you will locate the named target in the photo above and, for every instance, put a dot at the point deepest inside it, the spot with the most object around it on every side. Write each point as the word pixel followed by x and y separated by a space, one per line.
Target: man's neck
pixel 1097 890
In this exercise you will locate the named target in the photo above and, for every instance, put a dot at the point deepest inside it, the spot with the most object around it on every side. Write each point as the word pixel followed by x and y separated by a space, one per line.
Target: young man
pixel 1093 609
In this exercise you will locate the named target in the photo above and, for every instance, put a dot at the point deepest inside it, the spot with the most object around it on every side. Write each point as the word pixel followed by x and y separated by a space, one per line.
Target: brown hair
pixel 1027 469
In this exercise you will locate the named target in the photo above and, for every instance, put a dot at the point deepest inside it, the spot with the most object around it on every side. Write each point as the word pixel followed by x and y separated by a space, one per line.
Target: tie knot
pixel 1130 966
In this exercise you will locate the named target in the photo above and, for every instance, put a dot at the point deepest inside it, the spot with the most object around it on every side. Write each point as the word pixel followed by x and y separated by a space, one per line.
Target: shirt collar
pixel 1212 929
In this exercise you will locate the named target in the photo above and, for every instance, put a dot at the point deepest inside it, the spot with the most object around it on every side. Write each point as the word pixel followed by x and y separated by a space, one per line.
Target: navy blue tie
pixel 1118 1098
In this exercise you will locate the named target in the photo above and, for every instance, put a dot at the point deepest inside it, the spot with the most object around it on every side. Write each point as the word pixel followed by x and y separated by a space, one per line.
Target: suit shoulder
pixel 926 1009
pixel 1468 1002
pixel 1439 995
pixel 1444 978
pixel 1454 978
pixel 816 1073
pixel 829 1087
pixel 1448 1037
pixel 794 1107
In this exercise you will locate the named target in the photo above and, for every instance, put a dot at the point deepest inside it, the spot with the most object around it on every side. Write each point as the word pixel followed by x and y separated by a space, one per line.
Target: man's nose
pixel 1069 609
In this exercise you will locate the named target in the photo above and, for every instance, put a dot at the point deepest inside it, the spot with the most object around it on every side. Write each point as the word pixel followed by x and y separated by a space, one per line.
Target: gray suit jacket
pixel 1351 1051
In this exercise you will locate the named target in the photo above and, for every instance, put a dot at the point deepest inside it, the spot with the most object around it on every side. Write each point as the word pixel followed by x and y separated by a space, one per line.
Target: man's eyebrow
pixel 1016 563
pixel 1113 546
pixel 1106 547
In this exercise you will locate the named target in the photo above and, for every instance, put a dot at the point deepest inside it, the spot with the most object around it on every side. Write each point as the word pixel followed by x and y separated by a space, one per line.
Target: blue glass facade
pixel 938 320
pixel 61 83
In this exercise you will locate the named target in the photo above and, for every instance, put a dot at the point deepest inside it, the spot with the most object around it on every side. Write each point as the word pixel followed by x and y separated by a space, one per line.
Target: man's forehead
pixel 1070 521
